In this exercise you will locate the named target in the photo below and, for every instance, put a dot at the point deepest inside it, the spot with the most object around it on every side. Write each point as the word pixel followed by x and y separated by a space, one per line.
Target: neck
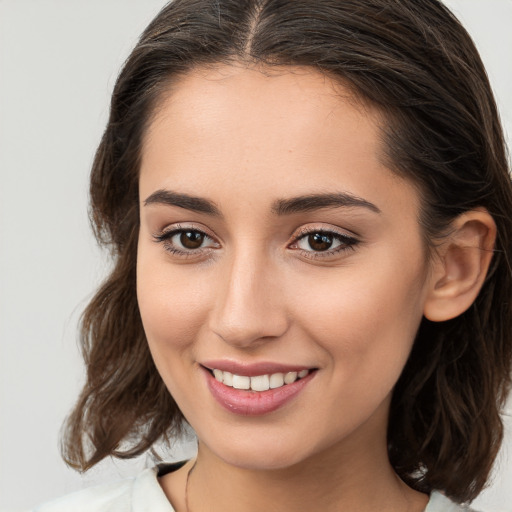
pixel 333 480
pixel 352 474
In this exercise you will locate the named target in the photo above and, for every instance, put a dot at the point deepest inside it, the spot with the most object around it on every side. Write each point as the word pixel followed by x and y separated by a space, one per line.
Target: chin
pixel 262 460
pixel 262 453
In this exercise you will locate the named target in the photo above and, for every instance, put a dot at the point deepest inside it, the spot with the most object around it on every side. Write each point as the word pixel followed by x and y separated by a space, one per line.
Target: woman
pixel 308 205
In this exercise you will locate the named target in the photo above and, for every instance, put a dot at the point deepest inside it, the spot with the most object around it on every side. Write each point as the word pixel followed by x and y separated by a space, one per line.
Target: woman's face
pixel 275 245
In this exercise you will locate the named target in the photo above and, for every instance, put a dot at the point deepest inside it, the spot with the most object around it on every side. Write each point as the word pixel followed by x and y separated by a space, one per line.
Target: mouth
pixel 255 389
pixel 258 383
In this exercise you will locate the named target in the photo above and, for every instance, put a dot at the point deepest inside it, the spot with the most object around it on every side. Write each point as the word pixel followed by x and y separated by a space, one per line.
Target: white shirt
pixel 144 494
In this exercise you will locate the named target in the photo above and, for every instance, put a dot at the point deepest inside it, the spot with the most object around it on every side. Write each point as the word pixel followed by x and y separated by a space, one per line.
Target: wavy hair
pixel 412 60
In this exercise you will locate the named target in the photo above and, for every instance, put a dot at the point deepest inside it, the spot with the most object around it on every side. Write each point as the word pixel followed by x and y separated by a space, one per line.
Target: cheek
pixel 173 306
pixel 365 319
pixel 173 309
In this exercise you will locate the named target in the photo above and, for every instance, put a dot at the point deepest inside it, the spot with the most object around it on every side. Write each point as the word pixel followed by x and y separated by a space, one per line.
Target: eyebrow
pixel 280 207
pixel 316 201
pixel 197 204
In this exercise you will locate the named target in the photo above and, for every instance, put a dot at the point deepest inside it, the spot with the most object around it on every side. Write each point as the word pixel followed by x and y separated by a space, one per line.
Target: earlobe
pixel 461 265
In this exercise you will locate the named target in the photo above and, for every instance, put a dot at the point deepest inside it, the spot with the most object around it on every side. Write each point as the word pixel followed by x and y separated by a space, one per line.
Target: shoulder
pixel 440 503
pixel 107 497
pixel 140 494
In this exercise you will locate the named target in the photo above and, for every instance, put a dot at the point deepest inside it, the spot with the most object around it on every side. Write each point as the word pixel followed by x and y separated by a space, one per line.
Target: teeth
pixel 276 380
pixel 290 377
pixel 227 378
pixel 258 382
pixel 241 382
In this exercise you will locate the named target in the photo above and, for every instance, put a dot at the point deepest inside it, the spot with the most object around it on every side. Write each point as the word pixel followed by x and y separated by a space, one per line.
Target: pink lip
pixel 253 403
pixel 253 369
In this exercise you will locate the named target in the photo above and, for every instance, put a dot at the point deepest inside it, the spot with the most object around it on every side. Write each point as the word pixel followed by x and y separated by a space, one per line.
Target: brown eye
pixel 192 239
pixel 186 242
pixel 317 244
pixel 320 241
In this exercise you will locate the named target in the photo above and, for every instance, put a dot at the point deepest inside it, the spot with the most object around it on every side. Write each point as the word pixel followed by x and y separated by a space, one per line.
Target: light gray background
pixel 58 63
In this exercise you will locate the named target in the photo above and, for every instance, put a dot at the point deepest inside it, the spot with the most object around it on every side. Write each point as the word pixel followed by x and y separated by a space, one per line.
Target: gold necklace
pixel 186 485
pixel 187 509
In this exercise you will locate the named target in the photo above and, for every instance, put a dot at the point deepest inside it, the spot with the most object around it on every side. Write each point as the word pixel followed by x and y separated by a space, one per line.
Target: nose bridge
pixel 248 307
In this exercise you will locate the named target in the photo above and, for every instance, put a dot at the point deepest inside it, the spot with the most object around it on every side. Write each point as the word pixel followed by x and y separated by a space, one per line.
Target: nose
pixel 249 308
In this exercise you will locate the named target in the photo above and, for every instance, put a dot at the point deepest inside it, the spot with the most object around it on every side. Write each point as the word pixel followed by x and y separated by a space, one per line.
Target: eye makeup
pixel 313 243
pixel 185 241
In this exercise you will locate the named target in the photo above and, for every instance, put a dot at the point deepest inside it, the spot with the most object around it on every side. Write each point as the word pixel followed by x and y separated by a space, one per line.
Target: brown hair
pixel 416 63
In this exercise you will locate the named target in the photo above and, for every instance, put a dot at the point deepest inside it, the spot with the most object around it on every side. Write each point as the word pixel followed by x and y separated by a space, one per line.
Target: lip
pixel 254 403
pixel 253 369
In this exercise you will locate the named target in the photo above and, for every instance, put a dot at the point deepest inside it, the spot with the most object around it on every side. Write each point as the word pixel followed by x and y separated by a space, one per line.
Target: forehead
pixel 257 96
pixel 233 129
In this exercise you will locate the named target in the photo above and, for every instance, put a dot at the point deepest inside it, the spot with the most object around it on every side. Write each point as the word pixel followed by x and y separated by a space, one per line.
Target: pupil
pixel 320 241
pixel 191 239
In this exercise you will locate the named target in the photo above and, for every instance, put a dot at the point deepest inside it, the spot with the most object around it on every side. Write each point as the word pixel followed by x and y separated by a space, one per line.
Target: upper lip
pixel 253 369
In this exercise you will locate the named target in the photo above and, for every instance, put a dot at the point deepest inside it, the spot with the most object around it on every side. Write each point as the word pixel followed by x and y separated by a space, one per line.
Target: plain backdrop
pixel 58 63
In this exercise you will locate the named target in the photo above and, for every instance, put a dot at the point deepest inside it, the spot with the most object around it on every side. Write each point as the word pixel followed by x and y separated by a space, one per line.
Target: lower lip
pixel 253 403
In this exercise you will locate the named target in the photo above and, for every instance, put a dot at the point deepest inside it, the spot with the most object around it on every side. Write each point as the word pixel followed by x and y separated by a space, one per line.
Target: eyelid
pixel 323 228
pixel 165 237
pixel 349 241
pixel 346 240
pixel 185 226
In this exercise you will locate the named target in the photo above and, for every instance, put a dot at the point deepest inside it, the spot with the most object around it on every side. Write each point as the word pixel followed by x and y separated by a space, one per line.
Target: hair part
pixel 415 63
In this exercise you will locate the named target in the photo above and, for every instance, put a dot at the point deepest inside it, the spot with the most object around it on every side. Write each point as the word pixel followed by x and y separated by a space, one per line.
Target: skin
pixel 244 139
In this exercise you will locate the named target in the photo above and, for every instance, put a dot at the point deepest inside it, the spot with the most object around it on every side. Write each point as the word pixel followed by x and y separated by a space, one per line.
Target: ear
pixel 460 266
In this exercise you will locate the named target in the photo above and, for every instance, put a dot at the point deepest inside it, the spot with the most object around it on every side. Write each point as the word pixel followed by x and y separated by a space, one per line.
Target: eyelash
pixel 165 238
pixel 346 242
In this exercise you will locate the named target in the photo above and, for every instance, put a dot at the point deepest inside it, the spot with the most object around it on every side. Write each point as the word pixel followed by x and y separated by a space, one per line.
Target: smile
pixel 258 382
pixel 255 389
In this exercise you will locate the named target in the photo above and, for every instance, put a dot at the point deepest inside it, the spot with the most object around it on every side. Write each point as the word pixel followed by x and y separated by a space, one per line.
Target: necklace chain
pixel 186 485
pixel 187 508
